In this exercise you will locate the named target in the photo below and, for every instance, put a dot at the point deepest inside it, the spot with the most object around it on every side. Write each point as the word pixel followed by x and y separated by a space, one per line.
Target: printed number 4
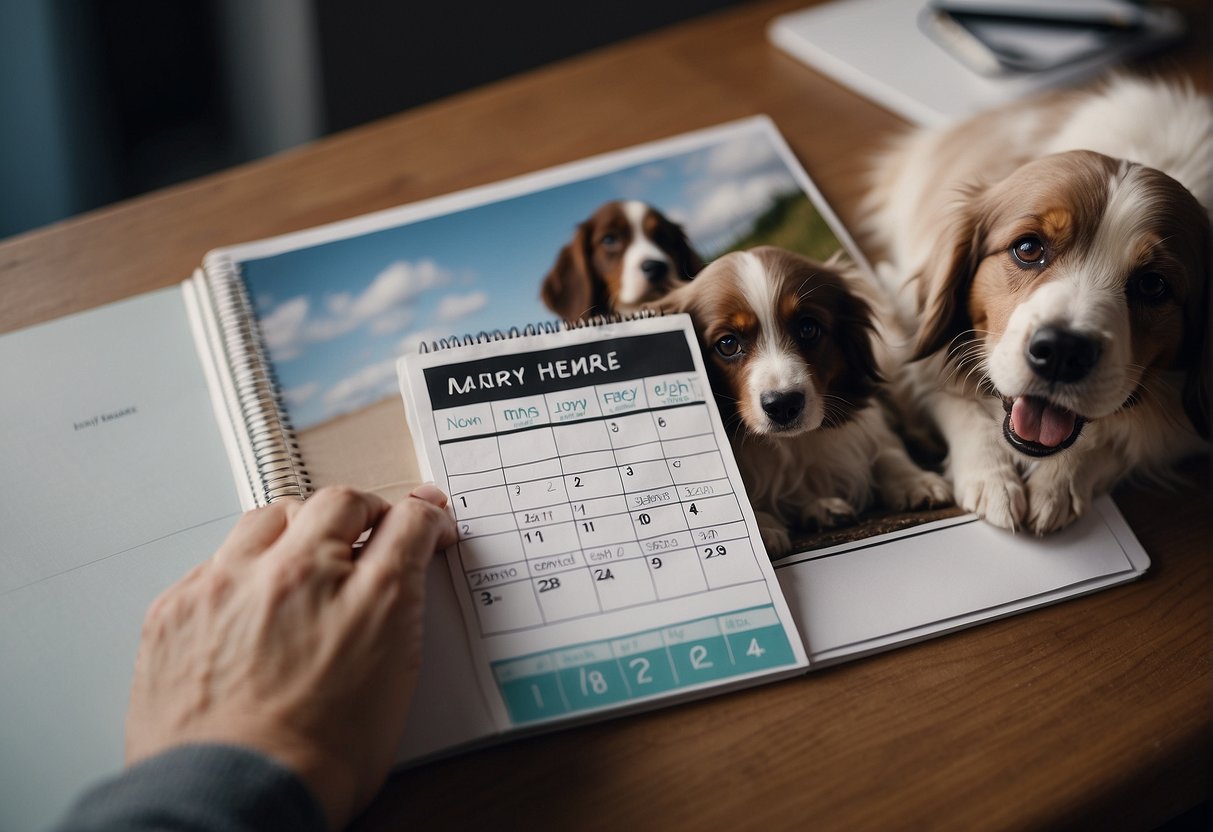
pixel 755 649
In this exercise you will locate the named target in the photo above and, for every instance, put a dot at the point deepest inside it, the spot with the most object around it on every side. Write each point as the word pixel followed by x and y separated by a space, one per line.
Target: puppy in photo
pixel 625 255
pixel 789 348
pixel 1054 258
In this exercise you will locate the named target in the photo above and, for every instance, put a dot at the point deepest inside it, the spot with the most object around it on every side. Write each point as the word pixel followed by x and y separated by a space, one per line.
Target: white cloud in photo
pixel 398 284
pixel 454 307
pixel 384 307
pixel 636 184
pixel 392 321
pixel 732 206
pixel 298 396
pixel 282 328
pixel 368 385
pixel 741 157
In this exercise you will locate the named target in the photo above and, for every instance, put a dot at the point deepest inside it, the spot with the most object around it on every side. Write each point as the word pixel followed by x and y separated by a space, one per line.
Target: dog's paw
pixel 1054 502
pixel 774 534
pixel 827 512
pixel 997 494
pixel 923 489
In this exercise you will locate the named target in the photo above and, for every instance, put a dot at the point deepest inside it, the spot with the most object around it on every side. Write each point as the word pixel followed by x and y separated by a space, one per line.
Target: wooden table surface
pixel 1095 712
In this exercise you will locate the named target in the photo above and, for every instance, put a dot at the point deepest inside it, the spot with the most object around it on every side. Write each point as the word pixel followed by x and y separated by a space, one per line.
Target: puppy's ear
pixel 1196 345
pixel 686 258
pixel 673 240
pixel 856 329
pixel 943 285
pixel 568 289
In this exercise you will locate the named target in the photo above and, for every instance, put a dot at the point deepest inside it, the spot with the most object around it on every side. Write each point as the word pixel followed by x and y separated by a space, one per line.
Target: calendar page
pixel 608 554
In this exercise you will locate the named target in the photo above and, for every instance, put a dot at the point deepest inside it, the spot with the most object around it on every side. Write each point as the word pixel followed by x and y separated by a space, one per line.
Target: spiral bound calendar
pixel 607 552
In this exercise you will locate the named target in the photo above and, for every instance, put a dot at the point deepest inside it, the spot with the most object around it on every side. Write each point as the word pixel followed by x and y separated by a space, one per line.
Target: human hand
pixel 287 642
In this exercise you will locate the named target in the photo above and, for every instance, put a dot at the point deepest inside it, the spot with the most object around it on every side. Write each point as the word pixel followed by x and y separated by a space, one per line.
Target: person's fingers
pixel 329 523
pixel 430 493
pixel 256 531
pixel 402 544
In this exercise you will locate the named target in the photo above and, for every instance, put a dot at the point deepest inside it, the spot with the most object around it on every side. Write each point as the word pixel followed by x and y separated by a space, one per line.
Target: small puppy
pixel 788 344
pixel 626 254
pixel 1056 262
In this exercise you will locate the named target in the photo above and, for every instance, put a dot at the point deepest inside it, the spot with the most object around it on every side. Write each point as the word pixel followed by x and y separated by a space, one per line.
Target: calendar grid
pixel 572 558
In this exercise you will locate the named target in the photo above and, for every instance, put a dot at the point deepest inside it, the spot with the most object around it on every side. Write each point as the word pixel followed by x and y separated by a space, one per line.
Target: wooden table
pixel 1094 712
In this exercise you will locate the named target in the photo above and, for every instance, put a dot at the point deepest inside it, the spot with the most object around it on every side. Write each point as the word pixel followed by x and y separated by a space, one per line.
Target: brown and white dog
pixel 626 254
pixel 789 348
pixel 1055 258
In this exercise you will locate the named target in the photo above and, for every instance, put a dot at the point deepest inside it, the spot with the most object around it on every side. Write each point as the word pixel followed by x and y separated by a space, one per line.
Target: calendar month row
pixel 613 403
pixel 583 677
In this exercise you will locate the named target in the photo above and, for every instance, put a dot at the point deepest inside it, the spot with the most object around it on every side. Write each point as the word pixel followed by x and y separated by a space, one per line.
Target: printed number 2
pixel 641 666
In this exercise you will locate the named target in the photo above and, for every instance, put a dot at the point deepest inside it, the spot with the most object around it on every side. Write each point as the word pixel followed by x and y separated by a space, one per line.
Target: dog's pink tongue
pixel 1035 420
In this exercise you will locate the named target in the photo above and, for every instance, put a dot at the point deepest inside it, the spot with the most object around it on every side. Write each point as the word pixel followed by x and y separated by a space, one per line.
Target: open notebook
pixel 133 435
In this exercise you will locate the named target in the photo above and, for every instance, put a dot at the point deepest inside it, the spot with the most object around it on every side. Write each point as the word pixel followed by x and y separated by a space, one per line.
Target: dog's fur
pixel 625 255
pixel 789 348
pixel 1054 259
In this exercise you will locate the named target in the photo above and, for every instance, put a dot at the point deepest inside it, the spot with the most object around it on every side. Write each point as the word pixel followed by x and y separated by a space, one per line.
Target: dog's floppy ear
pixel 855 325
pixel 686 259
pixel 569 288
pixel 1196 345
pixel 943 285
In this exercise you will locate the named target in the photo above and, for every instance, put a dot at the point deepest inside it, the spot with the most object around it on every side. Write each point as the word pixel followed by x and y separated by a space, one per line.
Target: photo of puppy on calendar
pixel 791 347
pixel 609 236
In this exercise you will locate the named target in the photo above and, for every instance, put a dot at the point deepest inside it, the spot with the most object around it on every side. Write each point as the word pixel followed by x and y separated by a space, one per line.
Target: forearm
pixel 199 787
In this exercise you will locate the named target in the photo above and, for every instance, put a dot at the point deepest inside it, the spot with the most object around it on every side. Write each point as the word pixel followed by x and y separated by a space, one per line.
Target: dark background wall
pixel 104 100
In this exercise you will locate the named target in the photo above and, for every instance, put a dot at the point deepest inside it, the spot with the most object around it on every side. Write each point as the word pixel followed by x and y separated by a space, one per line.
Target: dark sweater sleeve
pixel 199 788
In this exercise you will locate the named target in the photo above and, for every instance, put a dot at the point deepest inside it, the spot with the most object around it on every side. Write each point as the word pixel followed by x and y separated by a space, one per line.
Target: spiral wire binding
pixel 279 465
pixel 540 328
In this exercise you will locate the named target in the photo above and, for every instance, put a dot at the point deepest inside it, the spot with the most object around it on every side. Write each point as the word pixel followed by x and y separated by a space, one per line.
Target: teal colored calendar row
pixel 641 665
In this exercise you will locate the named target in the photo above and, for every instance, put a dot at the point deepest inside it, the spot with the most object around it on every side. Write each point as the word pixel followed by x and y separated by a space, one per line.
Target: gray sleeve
pixel 199 788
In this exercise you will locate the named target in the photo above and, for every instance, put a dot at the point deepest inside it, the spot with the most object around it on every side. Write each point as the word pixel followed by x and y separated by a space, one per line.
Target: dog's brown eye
pixel 728 346
pixel 1028 251
pixel 1149 287
pixel 808 330
pixel 608 241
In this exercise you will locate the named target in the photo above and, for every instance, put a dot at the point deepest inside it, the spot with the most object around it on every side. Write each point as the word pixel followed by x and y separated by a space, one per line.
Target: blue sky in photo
pixel 335 316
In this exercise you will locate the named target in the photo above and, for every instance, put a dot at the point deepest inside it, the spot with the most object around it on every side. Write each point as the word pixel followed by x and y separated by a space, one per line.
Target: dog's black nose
pixel 1060 355
pixel 782 408
pixel 655 270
